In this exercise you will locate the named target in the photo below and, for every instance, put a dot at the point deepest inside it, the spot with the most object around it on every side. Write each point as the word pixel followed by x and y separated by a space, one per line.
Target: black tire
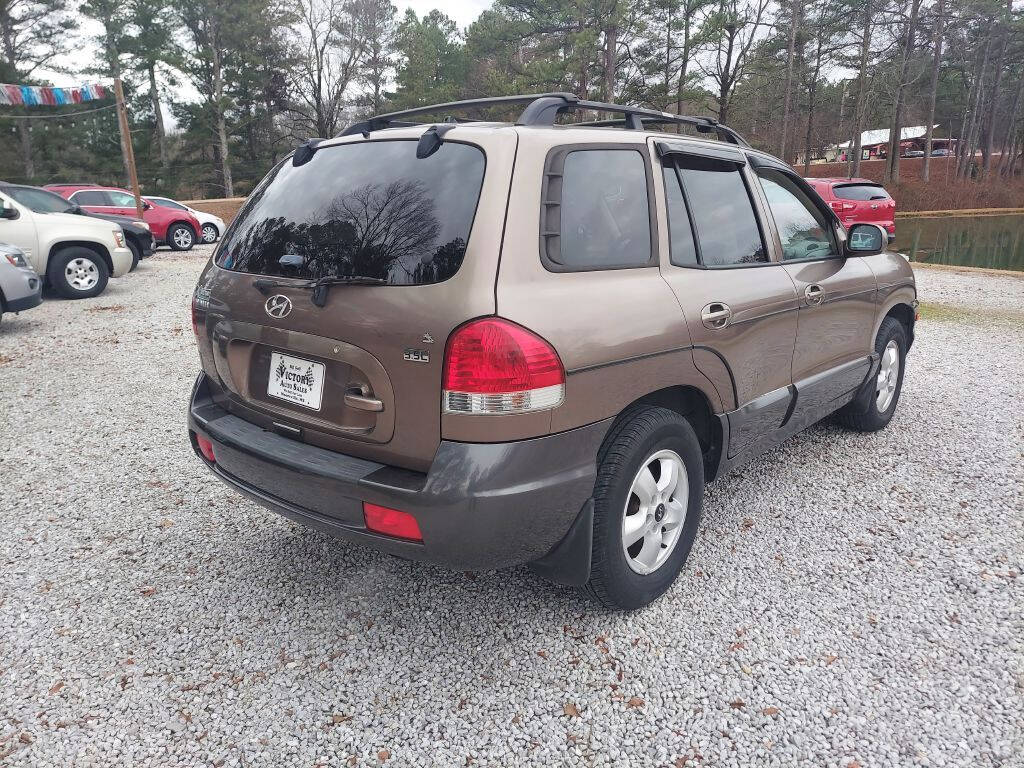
pixel 136 253
pixel 209 231
pixel 176 237
pixel 92 268
pixel 863 414
pixel 639 434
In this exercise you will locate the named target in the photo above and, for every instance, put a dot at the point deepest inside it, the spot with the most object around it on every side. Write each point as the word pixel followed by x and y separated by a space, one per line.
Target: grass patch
pixel 951 313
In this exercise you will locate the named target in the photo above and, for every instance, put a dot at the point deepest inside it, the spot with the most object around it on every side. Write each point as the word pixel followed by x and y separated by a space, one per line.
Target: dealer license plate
pixel 296 380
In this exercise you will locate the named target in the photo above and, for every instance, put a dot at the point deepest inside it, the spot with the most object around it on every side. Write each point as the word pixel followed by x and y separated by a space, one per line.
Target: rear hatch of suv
pixel 857 202
pixel 325 311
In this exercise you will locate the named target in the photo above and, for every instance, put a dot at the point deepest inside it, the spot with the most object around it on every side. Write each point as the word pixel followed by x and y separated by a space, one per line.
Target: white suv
pixel 75 254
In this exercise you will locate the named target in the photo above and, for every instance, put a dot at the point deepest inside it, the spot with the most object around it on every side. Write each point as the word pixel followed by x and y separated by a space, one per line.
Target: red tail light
pixel 391 522
pixel 195 322
pixel 495 366
pixel 839 206
pixel 206 448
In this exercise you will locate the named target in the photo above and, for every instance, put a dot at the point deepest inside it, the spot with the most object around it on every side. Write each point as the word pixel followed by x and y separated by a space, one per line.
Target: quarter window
pixel 802 226
pixel 721 212
pixel 682 249
pixel 603 212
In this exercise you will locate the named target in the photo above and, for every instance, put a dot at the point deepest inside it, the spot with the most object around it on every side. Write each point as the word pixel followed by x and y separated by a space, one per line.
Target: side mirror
pixel 865 240
pixel 146 205
pixel 7 211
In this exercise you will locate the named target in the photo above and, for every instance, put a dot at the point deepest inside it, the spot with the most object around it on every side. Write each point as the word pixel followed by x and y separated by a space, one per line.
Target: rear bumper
pixel 480 505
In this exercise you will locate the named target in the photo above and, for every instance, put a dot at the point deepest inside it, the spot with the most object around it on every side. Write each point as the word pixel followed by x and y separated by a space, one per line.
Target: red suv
pixel 858 201
pixel 169 226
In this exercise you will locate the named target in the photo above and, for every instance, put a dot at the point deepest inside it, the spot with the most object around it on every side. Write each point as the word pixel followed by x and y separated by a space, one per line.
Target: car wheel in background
pixel 647 505
pixel 210 233
pixel 181 237
pixel 136 254
pixel 76 272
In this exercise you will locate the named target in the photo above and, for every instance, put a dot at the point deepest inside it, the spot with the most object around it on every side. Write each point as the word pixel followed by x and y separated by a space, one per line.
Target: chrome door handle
pixel 716 315
pixel 814 294
pixel 354 398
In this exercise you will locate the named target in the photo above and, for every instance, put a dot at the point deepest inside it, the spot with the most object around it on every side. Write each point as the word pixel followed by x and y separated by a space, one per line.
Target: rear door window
pixel 860 192
pixel 721 212
pixel 364 209
pixel 95 197
pixel 121 199
pixel 604 211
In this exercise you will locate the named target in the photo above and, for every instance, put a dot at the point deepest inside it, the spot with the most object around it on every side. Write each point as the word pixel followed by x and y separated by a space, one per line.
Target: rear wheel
pixel 181 237
pixel 647 506
pixel 210 233
pixel 875 409
pixel 76 272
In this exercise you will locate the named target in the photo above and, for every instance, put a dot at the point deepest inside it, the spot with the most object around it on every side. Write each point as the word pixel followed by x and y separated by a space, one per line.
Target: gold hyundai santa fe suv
pixel 485 344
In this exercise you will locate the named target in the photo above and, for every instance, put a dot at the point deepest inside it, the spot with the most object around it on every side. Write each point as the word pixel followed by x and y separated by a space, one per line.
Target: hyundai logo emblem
pixel 278 306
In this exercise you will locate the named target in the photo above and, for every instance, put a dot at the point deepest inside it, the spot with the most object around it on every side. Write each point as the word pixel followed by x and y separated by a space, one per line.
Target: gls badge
pixel 278 306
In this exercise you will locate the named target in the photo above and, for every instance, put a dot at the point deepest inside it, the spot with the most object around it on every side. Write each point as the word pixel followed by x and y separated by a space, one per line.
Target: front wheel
pixel 875 408
pixel 210 233
pixel 136 254
pixel 647 506
pixel 181 237
pixel 78 273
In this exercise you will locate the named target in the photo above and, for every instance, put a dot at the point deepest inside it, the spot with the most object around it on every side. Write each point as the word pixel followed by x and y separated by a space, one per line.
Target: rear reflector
pixel 391 522
pixel 206 448
pixel 493 366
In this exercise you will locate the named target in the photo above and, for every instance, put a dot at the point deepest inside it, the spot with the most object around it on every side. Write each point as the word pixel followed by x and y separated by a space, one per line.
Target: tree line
pixel 246 80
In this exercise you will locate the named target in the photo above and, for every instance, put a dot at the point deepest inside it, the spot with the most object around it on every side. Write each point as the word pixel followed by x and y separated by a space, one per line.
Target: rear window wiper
pixel 321 286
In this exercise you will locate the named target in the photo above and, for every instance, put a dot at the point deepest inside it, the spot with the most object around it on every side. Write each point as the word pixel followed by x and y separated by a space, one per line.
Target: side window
pixel 169 203
pixel 122 199
pixel 722 212
pixel 91 197
pixel 803 229
pixel 682 249
pixel 597 214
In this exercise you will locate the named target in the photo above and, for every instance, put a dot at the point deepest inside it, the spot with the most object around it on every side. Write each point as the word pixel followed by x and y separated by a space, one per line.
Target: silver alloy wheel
pixel 209 233
pixel 183 237
pixel 888 376
pixel 655 512
pixel 82 274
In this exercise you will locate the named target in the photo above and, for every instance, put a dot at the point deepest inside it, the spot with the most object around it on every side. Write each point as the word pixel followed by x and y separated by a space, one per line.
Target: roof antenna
pixel 305 151
pixel 432 139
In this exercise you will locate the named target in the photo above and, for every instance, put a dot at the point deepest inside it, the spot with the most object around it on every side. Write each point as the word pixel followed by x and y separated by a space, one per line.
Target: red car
pixel 858 200
pixel 169 226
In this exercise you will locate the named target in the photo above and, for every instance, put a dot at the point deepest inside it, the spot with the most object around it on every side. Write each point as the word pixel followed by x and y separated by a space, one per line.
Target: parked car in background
pixel 77 255
pixel 390 357
pixel 942 152
pixel 211 227
pixel 858 201
pixel 20 287
pixel 137 234
pixel 177 229
pixel 914 153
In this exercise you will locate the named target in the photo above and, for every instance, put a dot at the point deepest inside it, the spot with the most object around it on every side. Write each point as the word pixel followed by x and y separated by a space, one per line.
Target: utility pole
pixel 126 145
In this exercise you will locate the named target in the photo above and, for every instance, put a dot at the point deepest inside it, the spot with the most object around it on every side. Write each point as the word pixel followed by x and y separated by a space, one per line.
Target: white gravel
pixel 851 599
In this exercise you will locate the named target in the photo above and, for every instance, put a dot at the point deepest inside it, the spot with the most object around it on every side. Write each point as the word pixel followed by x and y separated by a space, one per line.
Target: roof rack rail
pixel 544 109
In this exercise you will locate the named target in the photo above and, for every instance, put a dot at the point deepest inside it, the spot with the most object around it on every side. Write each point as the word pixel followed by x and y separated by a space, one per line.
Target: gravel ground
pixel 851 599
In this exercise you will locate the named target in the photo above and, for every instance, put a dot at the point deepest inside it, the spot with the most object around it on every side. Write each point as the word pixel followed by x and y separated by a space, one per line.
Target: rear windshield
pixel 369 209
pixel 860 192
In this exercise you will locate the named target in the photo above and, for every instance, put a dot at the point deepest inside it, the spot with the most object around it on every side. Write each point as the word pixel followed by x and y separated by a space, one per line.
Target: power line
pixel 64 116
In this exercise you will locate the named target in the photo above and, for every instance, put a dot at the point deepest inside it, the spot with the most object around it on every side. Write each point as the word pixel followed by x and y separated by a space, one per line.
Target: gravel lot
pixel 851 599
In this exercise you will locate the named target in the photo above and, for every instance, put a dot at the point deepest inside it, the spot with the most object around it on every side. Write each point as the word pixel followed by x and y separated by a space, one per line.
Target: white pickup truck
pixel 75 254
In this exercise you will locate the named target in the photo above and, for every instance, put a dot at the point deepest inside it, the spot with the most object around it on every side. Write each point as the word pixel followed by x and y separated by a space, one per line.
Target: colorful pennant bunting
pixel 44 95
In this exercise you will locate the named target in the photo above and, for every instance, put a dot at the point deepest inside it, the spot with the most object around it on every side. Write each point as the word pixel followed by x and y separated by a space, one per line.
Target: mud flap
pixel 569 562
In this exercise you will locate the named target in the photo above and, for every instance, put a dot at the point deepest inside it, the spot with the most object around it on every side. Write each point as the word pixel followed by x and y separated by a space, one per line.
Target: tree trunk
pixel 812 93
pixel 974 108
pixel 218 109
pixel 934 90
pixel 611 45
pixel 860 103
pixel 892 167
pixel 787 99
pixel 993 96
pixel 1011 128
pixel 154 97
pixel 26 151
